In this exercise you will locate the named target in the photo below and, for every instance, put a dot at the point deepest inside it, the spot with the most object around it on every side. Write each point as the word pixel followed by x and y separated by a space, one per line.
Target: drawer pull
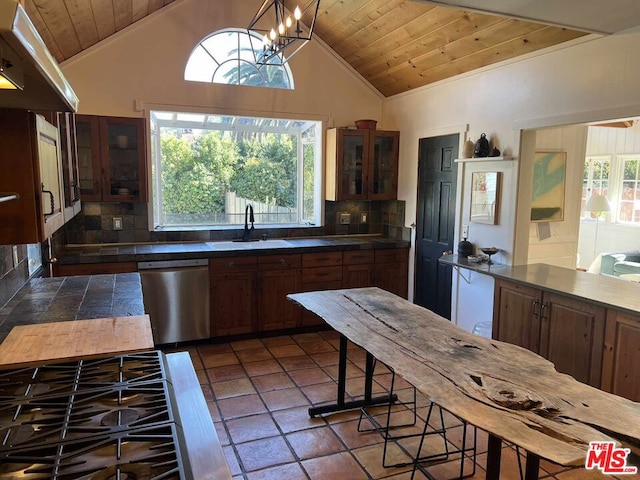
pixel 283 261
pixel 232 264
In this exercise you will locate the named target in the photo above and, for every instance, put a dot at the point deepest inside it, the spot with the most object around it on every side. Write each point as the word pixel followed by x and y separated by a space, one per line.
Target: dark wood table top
pixel 503 389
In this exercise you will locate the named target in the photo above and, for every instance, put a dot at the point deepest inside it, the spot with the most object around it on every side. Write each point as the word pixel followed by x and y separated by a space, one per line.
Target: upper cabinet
pixel 111 158
pixel 69 158
pixel 31 167
pixel 362 164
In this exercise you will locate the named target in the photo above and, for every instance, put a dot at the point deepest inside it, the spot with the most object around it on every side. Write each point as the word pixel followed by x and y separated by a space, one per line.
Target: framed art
pixel 485 197
pixel 547 199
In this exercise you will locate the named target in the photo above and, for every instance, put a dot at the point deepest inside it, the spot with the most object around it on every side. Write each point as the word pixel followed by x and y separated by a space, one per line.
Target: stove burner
pixel 124 416
pixel 131 471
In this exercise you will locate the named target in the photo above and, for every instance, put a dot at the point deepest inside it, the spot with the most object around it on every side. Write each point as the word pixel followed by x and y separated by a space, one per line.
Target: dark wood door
pixel 621 355
pixel 391 270
pixel 233 303
pixel 571 336
pixel 435 228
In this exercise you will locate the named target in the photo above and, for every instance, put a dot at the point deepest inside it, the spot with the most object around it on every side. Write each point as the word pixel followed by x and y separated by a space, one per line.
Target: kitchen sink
pixel 259 245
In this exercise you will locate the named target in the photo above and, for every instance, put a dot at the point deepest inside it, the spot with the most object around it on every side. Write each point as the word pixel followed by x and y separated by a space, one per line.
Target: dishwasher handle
pixel 199 262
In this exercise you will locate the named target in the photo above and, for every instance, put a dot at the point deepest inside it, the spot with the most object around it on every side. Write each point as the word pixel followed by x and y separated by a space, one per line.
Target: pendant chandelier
pixel 282 32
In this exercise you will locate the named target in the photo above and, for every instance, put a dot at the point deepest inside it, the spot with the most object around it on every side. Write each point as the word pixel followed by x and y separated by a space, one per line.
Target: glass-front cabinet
pixel 362 164
pixel 112 158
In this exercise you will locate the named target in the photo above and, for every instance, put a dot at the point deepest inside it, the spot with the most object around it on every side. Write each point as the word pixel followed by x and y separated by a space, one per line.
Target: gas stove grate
pixel 93 419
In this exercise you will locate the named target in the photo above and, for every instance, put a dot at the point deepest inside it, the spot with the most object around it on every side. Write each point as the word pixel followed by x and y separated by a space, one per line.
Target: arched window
pixel 227 57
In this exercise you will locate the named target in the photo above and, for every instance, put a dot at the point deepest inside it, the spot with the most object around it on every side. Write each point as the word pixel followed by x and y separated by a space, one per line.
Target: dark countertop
pixel 56 299
pixel 601 290
pixel 75 254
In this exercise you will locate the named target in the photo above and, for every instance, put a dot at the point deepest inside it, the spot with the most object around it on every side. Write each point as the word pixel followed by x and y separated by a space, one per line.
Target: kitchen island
pixel 588 325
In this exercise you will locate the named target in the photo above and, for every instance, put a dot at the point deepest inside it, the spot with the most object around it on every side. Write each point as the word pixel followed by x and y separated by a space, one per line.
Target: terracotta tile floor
pixel 259 391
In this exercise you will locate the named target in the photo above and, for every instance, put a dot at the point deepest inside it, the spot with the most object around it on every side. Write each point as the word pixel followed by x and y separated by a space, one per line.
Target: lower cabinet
pixel 566 331
pixel 249 294
pixel 320 271
pixel 357 269
pixel 62 270
pixel 391 270
pixel 621 355
pixel 278 276
pixel 233 283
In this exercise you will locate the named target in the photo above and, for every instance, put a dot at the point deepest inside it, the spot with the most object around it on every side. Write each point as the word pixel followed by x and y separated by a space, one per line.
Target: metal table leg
pixel 494 452
pixel 341 404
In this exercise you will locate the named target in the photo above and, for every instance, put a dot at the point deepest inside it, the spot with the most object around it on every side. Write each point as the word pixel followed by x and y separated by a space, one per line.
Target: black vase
pixel 482 147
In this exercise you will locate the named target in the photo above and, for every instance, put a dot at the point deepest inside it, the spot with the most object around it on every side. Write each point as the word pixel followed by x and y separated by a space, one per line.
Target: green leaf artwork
pixel 547 200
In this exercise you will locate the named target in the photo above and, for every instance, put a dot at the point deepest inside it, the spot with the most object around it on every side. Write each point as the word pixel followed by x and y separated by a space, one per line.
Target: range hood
pixel 26 63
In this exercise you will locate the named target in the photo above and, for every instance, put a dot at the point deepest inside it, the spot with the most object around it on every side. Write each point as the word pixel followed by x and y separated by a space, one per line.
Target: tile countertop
pixel 602 290
pixel 75 254
pixel 43 300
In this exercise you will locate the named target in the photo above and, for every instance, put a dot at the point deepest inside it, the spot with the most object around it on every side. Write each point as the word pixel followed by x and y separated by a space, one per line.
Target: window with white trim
pixel 227 57
pixel 206 168
pixel 618 179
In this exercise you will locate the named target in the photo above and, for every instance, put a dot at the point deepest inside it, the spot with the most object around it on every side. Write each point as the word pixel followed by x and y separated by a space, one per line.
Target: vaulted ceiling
pixel 397 45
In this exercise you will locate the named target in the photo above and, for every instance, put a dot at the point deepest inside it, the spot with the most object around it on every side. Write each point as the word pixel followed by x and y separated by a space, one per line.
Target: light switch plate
pixel 117 223
pixel 345 218
pixel 465 231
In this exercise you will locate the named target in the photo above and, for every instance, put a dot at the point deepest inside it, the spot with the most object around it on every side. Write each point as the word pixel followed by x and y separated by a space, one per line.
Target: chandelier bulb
pixel 266 41
pixel 288 22
pixel 272 34
pixel 281 29
pixel 297 13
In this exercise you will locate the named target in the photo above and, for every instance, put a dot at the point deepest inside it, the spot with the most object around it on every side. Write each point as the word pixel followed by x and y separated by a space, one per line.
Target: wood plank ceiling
pixel 397 45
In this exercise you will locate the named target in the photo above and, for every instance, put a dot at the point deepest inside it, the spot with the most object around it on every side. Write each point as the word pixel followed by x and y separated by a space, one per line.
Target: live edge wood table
pixel 29 345
pixel 508 391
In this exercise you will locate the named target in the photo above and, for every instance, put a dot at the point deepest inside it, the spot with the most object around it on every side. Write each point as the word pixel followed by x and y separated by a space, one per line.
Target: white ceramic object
pixel 122 141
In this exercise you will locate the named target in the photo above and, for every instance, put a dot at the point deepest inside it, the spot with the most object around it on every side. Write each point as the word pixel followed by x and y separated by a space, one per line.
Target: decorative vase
pixel 467 151
pixel 495 152
pixel 482 147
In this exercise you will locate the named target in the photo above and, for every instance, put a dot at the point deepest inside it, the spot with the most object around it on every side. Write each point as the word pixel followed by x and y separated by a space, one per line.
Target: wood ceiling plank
pixel 359 20
pixel 104 18
pixel 465 47
pixel 380 28
pixel 81 14
pixel 48 39
pixel 340 12
pixel 123 13
pixel 542 38
pixel 374 59
pixel 140 9
pixel 56 17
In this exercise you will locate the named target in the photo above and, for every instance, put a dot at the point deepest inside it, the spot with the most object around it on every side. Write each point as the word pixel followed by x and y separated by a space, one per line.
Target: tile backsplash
pixel 12 277
pixel 94 224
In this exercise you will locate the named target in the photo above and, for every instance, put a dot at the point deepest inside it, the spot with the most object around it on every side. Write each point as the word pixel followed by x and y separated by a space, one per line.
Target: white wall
pixel 561 248
pixel 561 87
pixel 143 66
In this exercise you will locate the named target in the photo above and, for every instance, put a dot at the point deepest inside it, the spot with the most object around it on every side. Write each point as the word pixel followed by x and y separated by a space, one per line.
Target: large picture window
pixel 207 168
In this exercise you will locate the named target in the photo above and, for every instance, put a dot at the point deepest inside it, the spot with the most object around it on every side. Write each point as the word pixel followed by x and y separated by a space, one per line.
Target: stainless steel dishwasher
pixel 176 297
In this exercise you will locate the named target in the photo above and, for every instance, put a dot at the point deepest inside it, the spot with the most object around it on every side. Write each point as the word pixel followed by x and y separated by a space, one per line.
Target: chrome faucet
pixel 248 214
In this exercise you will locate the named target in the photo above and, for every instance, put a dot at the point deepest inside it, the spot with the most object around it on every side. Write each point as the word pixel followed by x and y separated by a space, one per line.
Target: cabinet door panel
pixel 233 305
pixel 275 311
pixel 572 337
pixel 383 165
pixel 622 355
pixel 514 320
pixel 89 169
pixel 357 276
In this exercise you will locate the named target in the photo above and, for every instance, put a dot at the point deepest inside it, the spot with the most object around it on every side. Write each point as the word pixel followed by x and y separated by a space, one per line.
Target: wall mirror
pixel 485 197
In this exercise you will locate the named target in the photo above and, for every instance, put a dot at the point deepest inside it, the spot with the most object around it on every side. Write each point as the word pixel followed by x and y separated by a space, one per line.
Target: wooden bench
pixel 508 391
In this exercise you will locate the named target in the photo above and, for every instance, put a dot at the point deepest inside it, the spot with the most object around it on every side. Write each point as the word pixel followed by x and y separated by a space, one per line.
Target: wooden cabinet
pixel 391 270
pixel 112 158
pixel 233 299
pixel 320 271
pixel 69 157
pixel 358 269
pixel 621 355
pixel 62 270
pixel 30 166
pixel 361 164
pixel 566 331
pixel 278 276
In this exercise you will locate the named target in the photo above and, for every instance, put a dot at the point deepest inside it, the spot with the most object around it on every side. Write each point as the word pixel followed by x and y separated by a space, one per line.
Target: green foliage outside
pixel 196 173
